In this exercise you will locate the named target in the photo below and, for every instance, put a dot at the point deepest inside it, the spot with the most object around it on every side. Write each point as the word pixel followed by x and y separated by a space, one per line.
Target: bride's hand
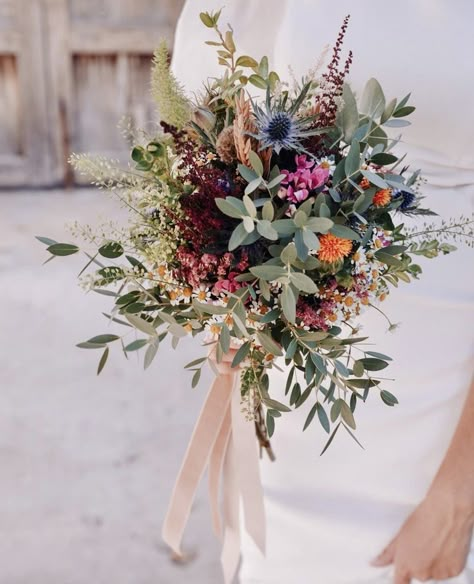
pixel 433 543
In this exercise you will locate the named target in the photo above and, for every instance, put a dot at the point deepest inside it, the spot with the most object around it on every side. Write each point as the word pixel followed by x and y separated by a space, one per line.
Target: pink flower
pixel 302 162
pixel 226 285
pixel 297 196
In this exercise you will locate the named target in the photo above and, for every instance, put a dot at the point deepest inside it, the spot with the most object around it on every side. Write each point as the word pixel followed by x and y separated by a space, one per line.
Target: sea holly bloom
pixel 333 248
pixel 382 198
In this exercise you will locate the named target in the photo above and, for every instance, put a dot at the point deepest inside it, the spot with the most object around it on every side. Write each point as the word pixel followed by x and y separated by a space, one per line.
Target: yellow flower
pixel 382 198
pixel 333 248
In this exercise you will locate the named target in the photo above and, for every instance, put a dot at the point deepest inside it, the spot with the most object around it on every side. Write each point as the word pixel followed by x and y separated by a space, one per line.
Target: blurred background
pixel 87 464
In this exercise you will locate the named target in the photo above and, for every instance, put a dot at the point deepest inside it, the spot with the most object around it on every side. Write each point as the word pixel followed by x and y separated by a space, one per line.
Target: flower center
pixel 279 127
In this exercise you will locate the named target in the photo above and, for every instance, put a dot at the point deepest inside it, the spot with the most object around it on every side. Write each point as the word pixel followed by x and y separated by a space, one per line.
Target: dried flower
pixel 333 248
pixel 225 145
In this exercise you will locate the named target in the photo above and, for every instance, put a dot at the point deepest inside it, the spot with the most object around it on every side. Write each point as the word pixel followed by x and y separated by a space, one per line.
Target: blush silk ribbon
pixel 224 442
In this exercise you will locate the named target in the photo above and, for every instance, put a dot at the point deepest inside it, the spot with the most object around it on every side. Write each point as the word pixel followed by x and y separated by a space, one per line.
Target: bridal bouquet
pixel 268 216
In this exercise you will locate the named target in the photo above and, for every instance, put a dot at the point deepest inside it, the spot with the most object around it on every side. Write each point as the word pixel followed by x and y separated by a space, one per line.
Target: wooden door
pixel 69 71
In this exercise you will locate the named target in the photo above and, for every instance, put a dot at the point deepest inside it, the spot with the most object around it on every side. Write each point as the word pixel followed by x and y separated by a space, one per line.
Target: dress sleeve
pixel 255 24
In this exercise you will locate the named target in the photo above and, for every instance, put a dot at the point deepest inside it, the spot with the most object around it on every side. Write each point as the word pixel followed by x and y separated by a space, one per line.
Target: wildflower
pixel 225 145
pixel 408 199
pixel 333 248
pixel 382 198
pixel 280 129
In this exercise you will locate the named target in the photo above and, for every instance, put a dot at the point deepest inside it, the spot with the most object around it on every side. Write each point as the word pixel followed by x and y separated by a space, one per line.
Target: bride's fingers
pixel 386 557
pixel 401 577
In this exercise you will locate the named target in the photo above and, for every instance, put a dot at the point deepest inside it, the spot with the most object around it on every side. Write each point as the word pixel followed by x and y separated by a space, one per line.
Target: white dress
pixel 329 516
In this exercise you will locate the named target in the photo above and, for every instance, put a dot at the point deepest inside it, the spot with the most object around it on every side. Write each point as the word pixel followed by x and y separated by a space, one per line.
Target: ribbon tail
pixel 230 556
pixel 248 468
pixel 196 458
pixel 216 464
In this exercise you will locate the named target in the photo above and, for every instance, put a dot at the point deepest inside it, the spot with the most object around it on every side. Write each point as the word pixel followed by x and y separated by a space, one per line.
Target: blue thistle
pixel 408 199
pixel 280 128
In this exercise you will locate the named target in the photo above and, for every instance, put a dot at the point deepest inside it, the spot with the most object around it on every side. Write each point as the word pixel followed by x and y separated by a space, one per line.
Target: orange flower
pixel 364 183
pixel 333 248
pixel 382 198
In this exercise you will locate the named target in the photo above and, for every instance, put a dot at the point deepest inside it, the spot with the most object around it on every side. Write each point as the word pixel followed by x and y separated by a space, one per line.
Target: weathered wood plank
pixel 103 41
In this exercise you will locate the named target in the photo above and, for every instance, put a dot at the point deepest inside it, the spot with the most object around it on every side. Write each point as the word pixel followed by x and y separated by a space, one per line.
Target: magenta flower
pixel 297 196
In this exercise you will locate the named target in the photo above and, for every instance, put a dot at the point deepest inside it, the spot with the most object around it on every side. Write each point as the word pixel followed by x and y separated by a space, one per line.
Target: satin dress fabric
pixel 328 516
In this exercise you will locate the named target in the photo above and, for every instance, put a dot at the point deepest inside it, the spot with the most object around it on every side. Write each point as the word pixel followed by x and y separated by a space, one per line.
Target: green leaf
pixel 288 304
pixel 253 185
pixel 150 354
pixel 347 415
pixel 362 383
pixel 264 227
pixel 276 181
pixel 301 247
pixel 319 362
pixel 344 232
pixel 379 355
pixel 111 250
pixel 46 240
pixel 389 109
pixel 248 224
pixel 88 345
pixel 247 173
pixel 224 338
pixel 102 339
pixel 263 67
pixel 311 241
pixel 268 211
pixel 62 249
pixel 352 164
pixel 384 158
pixel 268 273
pixel 323 417
pixel 241 354
pixel 255 162
pixel 258 81
pixel 206 19
pixel 141 324
pixel 245 61
pixel 136 345
pixel 372 101
pixel 230 208
pixel 388 259
pixel 319 224
pixel 358 368
pixel 394 249
pixel 336 409
pixel 401 112
pixel 270 425
pixel 310 417
pixel 275 405
pixel 196 378
pixel 284 226
pixel 238 237
pixel 103 360
pixel 388 398
pixel 374 179
pixel 303 282
pixel 348 118
pixel 300 218
pixel 373 364
pixel 269 344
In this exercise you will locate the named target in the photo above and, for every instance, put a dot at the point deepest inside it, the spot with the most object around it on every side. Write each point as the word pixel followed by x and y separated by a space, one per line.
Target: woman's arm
pixel 434 541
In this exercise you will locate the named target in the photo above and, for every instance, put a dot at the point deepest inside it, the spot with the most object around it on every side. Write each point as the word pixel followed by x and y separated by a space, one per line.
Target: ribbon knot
pixel 223 441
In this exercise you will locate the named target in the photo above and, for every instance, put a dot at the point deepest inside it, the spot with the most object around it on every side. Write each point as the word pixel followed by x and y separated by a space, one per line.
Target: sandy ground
pixel 87 463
